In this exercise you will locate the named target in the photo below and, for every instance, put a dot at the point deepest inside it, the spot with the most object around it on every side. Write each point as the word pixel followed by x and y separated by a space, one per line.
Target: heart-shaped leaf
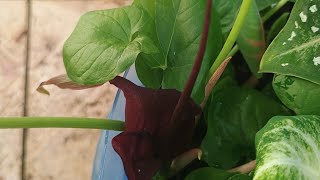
pixel 235 115
pixel 289 148
pixel 295 51
pixel 105 43
pixel 176 30
pixel 297 94
pixel 183 18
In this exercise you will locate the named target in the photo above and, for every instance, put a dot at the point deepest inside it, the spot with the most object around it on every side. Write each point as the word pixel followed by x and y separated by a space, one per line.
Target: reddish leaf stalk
pixel 244 169
pixel 185 95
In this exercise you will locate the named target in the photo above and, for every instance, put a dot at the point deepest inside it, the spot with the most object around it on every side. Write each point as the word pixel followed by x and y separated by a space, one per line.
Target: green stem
pixel 233 51
pixel 231 39
pixel 237 26
pixel 273 10
pixel 264 18
pixel 60 122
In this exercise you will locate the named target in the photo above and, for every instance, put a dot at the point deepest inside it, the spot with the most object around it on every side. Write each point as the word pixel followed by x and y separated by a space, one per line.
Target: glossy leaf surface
pixel 297 94
pixel 234 117
pixel 228 11
pixel 177 28
pixel 179 25
pixel 295 51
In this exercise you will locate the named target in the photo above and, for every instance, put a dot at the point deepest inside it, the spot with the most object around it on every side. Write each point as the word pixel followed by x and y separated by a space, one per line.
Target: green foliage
pixel 240 177
pixel 177 25
pixel 186 21
pixel 262 4
pixel 210 173
pixel 288 148
pixel 234 117
pixel 277 26
pixel 297 94
pixel 105 43
pixel 251 40
pixel 295 51
pixel 228 11
pixel 294 56
pixel 162 38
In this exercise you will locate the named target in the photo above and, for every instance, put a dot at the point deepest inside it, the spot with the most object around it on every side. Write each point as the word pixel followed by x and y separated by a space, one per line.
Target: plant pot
pixel 107 163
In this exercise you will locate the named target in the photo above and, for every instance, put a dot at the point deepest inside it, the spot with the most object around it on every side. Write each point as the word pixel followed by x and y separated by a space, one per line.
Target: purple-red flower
pixel 150 137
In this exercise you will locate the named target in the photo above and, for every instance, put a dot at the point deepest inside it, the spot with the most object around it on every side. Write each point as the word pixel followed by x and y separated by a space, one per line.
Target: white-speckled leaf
pixel 289 148
pixel 296 50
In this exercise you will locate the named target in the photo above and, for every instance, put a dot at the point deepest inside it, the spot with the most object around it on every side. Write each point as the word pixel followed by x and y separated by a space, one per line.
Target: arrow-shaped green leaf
pixel 105 43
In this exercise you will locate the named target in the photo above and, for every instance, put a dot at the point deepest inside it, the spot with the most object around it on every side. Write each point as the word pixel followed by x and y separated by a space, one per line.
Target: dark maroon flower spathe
pixel 150 136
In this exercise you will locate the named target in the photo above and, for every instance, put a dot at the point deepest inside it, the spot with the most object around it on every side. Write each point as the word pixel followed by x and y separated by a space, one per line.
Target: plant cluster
pixel 199 116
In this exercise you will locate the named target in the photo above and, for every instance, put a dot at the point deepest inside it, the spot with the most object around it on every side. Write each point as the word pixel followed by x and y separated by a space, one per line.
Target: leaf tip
pixel 199 154
pixel 42 90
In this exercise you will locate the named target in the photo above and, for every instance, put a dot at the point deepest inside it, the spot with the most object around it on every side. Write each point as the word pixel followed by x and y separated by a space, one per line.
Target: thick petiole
pixel 60 122
pixel 226 50
pixel 232 36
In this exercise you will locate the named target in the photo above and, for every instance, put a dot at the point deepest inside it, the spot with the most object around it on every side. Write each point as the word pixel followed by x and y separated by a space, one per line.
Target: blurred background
pixel 32 33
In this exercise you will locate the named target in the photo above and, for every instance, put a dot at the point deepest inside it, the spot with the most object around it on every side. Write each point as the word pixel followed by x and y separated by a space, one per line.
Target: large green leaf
pixel 153 61
pixel 179 25
pixel 228 11
pixel 297 94
pixel 234 117
pixel 251 40
pixel 289 148
pixel 176 30
pixel 295 51
pixel 152 77
pixel 105 43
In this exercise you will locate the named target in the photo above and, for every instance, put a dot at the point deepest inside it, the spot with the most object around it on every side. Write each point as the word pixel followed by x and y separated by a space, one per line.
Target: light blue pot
pixel 107 164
